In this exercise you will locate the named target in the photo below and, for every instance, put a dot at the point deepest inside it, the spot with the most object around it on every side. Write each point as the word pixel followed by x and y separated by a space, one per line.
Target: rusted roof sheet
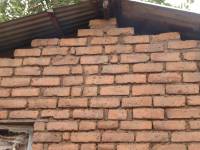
pixel 153 19
pixel 20 32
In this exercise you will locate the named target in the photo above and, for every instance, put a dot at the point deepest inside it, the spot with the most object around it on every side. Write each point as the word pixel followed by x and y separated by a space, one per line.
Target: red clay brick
pixel 104 40
pixel 194 124
pixel 191 77
pixel 92 60
pixel 169 146
pixel 13 103
pixel 131 78
pixel 106 146
pixel 114 59
pixel 62 126
pixel 107 125
pixel 72 80
pixel 56 114
pixel 5 92
pixel 181 66
pixel 153 89
pixel 15 82
pixel 183 113
pixel 193 147
pixel 47 137
pixel 134 58
pixel 185 136
pixel 193 100
pixel 87 125
pixel 76 69
pixel 169 125
pixel 23 114
pixel 152 136
pixel 3 114
pixel 137 102
pixel 76 91
pixel 119 49
pixel 90 32
pixel 39 126
pixel 25 92
pixel 88 114
pixel 182 44
pixel 37 146
pixel 65 60
pixel 88 147
pixel 60 91
pixel 169 101
pixel 66 136
pixel 148 67
pixel 105 102
pixel 135 125
pixel 27 52
pixel 165 57
pixel 42 103
pixel 149 48
pixel 8 62
pixel 58 70
pixel 63 146
pixel 120 31
pixel 73 42
pixel 73 102
pixel 114 90
pixel 93 69
pixel 49 51
pixel 92 50
pixel 45 81
pixel 136 39
pixel 31 61
pixel 115 69
pixel 27 71
pixel 85 137
pixel 164 78
pixel 165 37
pixel 90 91
pixel 6 72
pixel 117 114
pixel 133 146
pixel 118 136
pixel 191 56
pixel 148 113
pixel 182 89
pixel 98 80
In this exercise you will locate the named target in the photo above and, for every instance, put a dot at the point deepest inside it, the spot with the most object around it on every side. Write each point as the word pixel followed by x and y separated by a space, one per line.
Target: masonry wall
pixel 107 89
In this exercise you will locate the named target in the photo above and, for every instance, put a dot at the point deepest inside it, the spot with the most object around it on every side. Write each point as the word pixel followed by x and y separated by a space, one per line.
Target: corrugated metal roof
pixel 149 18
pixel 144 17
pixel 20 32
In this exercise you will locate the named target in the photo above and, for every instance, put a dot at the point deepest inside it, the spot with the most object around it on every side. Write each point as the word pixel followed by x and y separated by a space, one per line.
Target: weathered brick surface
pixel 182 44
pixel 108 89
pixel 136 39
pixel 73 42
pixel 166 36
pixel 27 52
pixel 149 48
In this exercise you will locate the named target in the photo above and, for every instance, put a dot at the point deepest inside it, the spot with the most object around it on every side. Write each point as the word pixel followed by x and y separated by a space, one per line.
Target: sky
pixel 195 7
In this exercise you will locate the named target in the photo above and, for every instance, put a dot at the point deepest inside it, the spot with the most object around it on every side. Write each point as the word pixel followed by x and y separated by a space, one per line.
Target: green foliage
pixel 162 2
pixel 11 9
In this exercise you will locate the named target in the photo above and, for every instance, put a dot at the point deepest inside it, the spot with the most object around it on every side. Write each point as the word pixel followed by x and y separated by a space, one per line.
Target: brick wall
pixel 107 89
